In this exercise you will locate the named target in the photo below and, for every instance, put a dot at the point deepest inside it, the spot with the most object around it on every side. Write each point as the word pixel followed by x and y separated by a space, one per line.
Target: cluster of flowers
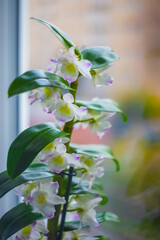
pixel 61 106
pixel 43 195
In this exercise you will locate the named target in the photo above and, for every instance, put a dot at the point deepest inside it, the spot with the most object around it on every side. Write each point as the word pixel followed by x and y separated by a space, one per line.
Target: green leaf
pixel 95 150
pixel 101 217
pixel 16 219
pixel 97 188
pixel 34 172
pixel 35 79
pixel 102 105
pixel 62 36
pixel 99 56
pixel 28 144
pixel 101 238
pixel 106 217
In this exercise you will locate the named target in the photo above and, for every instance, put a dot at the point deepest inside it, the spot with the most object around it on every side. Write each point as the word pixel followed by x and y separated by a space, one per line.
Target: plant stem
pixel 53 222
pixel 66 204
pixel 68 128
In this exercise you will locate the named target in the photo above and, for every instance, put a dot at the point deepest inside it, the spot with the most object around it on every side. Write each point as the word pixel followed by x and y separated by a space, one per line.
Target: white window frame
pixel 13 61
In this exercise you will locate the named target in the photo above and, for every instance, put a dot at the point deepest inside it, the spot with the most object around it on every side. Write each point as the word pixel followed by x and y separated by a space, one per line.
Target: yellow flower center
pixel 65 109
pixel 28 187
pixel 89 162
pixel 49 147
pixel 70 67
pixel 47 92
pixel 31 185
pixel 41 198
pixel 26 190
pixel 58 159
pixel 26 231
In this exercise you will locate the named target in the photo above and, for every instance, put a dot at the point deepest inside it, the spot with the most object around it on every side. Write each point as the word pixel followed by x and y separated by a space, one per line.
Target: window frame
pixel 13 118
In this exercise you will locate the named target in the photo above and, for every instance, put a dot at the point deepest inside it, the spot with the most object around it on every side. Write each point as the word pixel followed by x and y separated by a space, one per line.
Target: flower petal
pixel 57 163
pixel 58 200
pixel 64 112
pixel 84 66
pixel 61 148
pixel 68 98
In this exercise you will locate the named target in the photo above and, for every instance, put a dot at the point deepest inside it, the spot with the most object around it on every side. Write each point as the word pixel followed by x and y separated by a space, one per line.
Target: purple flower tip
pixel 58 96
pixel 99 137
pixel 55 184
pixel 97 224
pixel 50 155
pixel 30 199
pixel 17 238
pixel 110 81
pixel 32 101
pixel 88 64
pixel 53 60
pixel 106 129
pixel 34 224
pixel 69 79
pixel 42 160
pixel 61 120
pixel 55 170
pixel 57 139
pixel 83 109
pixel 76 217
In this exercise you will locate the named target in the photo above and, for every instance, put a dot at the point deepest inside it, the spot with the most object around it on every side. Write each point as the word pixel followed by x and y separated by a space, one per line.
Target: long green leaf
pixel 62 36
pixel 95 150
pixel 16 219
pixel 101 237
pixel 101 217
pixel 35 79
pixel 102 105
pixel 106 217
pixel 99 56
pixel 28 144
pixel 34 172
pixel 97 189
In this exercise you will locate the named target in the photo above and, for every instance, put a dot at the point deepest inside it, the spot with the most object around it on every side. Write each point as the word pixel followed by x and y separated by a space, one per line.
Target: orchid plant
pixel 42 162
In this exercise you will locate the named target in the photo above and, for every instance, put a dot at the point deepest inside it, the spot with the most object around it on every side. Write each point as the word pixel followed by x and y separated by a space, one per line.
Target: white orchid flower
pixel 97 121
pixel 92 169
pixel 47 96
pixel 32 231
pixel 101 78
pixel 78 235
pixel 66 110
pixel 60 159
pixel 27 233
pixel 69 66
pixel 45 197
pixel 48 150
pixel 100 124
pixel 85 211
pixel 24 190
pixel 41 225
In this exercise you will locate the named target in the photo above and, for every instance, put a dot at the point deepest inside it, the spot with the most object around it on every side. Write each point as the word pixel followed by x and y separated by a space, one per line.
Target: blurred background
pixel 131 29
